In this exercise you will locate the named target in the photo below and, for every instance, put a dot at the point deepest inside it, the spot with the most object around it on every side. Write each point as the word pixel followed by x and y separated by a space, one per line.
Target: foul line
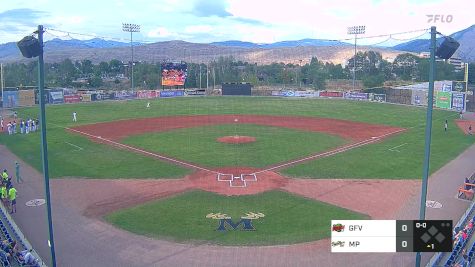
pixel 332 152
pixel 394 148
pixel 78 147
pixel 143 151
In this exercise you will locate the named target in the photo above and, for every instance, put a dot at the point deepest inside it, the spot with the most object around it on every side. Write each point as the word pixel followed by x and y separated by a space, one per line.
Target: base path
pixel 118 130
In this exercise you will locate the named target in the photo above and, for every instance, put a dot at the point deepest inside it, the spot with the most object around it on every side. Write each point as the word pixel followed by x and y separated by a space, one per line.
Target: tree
pixel 444 71
pixel 95 81
pixel 115 67
pixel 471 73
pixel 405 66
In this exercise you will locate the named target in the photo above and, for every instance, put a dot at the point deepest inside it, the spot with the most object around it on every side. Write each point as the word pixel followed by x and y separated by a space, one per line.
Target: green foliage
pixel 288 218
pixel 471 73
pixel 370 67
pixel 371 81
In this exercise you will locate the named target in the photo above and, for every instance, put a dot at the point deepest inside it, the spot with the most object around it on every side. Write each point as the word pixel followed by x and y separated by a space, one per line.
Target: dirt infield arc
pixel 264 179
pixel 355 131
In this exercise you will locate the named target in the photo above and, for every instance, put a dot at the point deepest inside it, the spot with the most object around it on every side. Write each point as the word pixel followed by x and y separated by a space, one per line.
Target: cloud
pixel 209 8
pixel 16 20
pixel 21 15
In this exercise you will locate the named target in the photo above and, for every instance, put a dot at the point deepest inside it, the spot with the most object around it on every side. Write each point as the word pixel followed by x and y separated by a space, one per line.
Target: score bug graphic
pixel 391 236
pixel 430 236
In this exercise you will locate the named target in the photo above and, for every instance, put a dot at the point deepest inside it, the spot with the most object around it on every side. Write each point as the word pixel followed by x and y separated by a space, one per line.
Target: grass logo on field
pixel 244 224
pixel 338 227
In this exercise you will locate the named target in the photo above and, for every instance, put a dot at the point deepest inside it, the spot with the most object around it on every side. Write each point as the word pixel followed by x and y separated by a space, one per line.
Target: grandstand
pixel 9 231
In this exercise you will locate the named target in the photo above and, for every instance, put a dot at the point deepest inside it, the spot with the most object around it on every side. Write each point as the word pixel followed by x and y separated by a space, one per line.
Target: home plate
pixel 237 182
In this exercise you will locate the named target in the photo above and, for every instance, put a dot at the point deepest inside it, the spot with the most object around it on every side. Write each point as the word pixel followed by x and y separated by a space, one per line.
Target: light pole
pixel 32 47
pixel 355 30
pixel 130 27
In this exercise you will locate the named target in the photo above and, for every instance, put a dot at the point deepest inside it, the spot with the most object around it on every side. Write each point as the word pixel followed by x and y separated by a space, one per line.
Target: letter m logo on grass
pixel 244 224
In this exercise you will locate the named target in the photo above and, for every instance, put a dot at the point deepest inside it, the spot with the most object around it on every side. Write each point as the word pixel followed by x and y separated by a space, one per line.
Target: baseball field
pixel 279 179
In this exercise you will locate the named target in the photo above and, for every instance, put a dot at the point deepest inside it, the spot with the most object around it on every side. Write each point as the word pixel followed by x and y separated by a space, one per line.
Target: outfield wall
pixel 443 98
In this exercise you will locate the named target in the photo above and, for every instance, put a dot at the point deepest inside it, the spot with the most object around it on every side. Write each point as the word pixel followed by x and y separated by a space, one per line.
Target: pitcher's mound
pixel 236 139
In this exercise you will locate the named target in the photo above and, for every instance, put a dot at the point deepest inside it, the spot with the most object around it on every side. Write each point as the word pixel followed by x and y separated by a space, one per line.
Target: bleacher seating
pixel 8 232
pixel 441 259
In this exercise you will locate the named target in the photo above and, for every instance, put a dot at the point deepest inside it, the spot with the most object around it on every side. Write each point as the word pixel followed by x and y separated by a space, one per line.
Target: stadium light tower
pixel 130 27
pixel 355 30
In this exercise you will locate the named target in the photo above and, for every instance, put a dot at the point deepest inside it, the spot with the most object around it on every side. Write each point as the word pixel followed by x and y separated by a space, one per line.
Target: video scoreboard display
pixel 391 236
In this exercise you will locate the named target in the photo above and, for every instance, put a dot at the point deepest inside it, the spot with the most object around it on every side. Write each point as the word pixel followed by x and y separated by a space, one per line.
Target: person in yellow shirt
pixel 3 193
pixel 12 196
pixel 4 175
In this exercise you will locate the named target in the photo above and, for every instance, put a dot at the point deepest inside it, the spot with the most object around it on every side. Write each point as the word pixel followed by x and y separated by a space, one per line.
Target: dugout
pixel 236 89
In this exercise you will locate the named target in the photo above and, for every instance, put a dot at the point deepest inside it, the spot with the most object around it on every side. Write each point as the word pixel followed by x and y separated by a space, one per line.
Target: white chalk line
pixel 143 151
pixel 394 148
pixel 320 155
pixel 73 145
pixel 332 152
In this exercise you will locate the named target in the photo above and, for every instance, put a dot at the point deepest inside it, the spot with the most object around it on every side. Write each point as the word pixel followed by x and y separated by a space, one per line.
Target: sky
pixel 258 21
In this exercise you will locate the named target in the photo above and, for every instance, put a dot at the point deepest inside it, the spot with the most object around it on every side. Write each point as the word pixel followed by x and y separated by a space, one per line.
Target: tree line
pixel 371 69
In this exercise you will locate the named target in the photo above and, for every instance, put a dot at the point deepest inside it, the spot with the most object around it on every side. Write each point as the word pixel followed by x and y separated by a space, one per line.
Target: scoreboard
pixel 391 236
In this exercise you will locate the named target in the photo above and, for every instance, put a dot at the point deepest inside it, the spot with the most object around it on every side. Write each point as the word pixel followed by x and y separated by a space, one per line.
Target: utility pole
pixel 130 27
pixel 207 76
pixel 200 76
pixel 428 132
pixel 355 30
pixel 44 144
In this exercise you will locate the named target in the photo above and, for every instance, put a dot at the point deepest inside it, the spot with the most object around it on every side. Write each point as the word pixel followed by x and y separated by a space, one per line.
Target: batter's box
pixel 225 177
pixel 249 177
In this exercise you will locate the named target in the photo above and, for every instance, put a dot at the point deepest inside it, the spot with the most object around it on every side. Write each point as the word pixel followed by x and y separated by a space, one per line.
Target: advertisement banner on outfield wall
pixel 443 99
pixel 26 97
pixel 55 96
pixel 146 94
pixel 459 86
pixel 356 95
pixel 10 99
pixel 331 94
pixel 419 98
pixel 74 98
pixel 304 93
pixel 379 97
pixel 103 96
pixel 172 93
pixel 458 101
pixel 195 92
pixel 122 95
pixel 86 98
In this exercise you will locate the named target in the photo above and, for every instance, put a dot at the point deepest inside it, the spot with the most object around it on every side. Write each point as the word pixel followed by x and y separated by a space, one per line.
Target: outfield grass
pixel 273 144
pixel 288 218
pixel 75 155
pixel 372 161
pixel 398 157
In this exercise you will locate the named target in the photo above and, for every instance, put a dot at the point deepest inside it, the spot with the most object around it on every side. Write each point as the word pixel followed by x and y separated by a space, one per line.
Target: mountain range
pixel 465 37
pixel 297 52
